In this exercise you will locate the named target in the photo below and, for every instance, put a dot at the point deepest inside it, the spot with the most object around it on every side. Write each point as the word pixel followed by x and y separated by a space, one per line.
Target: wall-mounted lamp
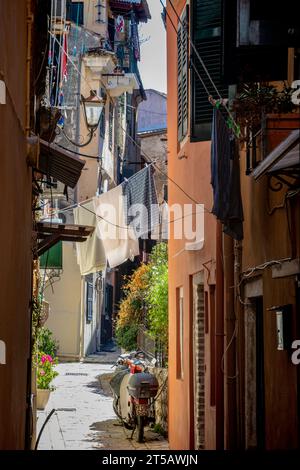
pixel 92 108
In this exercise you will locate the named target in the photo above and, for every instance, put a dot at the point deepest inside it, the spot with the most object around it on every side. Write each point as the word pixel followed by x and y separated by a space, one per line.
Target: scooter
pixel 134 390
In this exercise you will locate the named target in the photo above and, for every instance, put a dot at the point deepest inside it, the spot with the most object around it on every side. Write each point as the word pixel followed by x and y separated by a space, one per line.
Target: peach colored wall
pixel 193 175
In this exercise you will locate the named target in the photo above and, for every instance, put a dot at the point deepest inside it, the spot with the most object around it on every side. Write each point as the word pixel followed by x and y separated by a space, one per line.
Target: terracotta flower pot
pixel 42 398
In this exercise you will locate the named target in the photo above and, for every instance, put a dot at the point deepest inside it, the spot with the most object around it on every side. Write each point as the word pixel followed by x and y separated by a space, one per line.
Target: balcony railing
pixel 260 141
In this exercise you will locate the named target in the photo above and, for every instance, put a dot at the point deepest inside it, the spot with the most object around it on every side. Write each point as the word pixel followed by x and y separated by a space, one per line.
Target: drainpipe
pixel 230 348
pixel 239 312
pixel 29 420
pixel 219 339
pixel 28 66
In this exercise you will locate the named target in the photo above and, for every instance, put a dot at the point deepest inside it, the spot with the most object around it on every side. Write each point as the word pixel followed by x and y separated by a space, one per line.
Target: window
pixel 75 12
pixel 179 332
pixel 206 33
pixel 183 75
pixel 89 298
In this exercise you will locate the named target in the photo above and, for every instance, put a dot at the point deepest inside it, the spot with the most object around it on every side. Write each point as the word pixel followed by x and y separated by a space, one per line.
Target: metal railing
pixel 151 347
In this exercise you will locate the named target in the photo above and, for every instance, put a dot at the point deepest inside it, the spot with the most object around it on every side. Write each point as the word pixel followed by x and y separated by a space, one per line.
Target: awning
pixel 59 164
pixel 49 234
pixel 140 7
pixel 284 159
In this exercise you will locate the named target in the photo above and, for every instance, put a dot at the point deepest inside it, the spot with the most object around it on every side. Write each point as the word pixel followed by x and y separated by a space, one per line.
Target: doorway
pixel 198 325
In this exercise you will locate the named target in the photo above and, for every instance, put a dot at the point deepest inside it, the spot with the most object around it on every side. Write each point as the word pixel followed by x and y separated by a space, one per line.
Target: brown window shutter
pixel 183 74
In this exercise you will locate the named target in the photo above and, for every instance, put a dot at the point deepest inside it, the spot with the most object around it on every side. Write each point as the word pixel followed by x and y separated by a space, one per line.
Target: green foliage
pixel 160 430
pixel 157 294
pixel 257 99
pixel 36 306
pixel 45 371
pixel 46 342
pixel 126 336
pixel 145 301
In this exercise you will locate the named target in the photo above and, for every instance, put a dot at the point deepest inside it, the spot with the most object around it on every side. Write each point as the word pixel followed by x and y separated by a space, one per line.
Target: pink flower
pixel 43 360
pixel 42 372
pixel 49 358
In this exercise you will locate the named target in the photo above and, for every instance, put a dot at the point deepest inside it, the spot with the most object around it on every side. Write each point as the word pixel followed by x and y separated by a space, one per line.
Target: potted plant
pixel 259 109
pixel 45 375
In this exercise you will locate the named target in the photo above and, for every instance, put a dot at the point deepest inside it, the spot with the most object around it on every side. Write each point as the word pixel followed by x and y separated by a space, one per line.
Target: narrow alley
pixel 150 241
pixel 84 417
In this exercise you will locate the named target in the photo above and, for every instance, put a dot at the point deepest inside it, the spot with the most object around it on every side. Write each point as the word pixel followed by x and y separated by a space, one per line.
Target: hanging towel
pixel 225 178
pixel 90 254
pixel 141 205
pixel 119 241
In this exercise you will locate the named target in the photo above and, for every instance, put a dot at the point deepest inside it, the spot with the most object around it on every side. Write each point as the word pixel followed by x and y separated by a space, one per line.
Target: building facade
pixel 103 54
pixel 233 301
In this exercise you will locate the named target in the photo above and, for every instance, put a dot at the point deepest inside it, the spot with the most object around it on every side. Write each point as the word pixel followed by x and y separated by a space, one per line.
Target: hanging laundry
pixel 161 231
pixel 225 178
pixel 141 206
pixel 135 39
pixel 90 254
pixel 119 241
pixel 120 24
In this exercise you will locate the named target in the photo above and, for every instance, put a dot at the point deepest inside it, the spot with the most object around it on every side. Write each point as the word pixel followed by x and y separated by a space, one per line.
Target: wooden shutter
pixel 183 74
pixel 206 32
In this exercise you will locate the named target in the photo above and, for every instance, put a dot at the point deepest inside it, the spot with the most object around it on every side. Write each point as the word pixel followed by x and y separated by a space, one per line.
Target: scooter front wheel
pixel 140 428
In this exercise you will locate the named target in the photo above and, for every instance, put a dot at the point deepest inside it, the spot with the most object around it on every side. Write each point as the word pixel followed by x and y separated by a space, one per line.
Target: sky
pixel 153 51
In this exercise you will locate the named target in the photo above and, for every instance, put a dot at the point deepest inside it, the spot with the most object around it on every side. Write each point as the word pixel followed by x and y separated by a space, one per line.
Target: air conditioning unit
pixel 66 217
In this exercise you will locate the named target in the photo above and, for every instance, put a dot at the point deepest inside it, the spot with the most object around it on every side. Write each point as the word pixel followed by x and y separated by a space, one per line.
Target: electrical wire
pixel 79 153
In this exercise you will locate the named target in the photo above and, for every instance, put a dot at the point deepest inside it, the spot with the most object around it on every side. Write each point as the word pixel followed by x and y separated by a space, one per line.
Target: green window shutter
pixel 183 75
pixel 207 34
pixel 52 259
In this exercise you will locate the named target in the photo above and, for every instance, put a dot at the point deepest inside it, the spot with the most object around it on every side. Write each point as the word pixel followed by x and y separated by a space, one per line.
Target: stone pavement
pixel 84 418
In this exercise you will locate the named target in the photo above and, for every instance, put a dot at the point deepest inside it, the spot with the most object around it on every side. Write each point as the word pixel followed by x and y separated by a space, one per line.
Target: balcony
pixel 100 61
pixel 262 141
pixel 119 83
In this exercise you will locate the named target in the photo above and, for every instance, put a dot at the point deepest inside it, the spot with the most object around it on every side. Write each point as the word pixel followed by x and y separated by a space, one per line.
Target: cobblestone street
pixel 84 418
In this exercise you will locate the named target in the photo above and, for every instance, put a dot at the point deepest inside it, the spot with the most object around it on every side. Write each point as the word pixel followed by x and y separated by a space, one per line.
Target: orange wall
pixel 15 233
pixel 193 175
pixel 266 238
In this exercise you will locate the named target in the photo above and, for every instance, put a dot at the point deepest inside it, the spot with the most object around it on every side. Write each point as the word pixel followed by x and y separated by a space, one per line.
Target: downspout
pixel 219 339
pixel 29 419
pixel 229 362
pixel 239 312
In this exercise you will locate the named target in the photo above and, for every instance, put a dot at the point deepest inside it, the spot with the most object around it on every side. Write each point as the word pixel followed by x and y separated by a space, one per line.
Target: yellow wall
pixel 65 305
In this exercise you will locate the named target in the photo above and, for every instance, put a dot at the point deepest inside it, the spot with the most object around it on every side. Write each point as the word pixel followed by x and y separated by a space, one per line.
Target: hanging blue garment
pixel 225 178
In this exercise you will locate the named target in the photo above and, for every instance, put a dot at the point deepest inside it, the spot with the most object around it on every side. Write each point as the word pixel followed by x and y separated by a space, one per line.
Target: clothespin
pixel 235 127
pixel 211 100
